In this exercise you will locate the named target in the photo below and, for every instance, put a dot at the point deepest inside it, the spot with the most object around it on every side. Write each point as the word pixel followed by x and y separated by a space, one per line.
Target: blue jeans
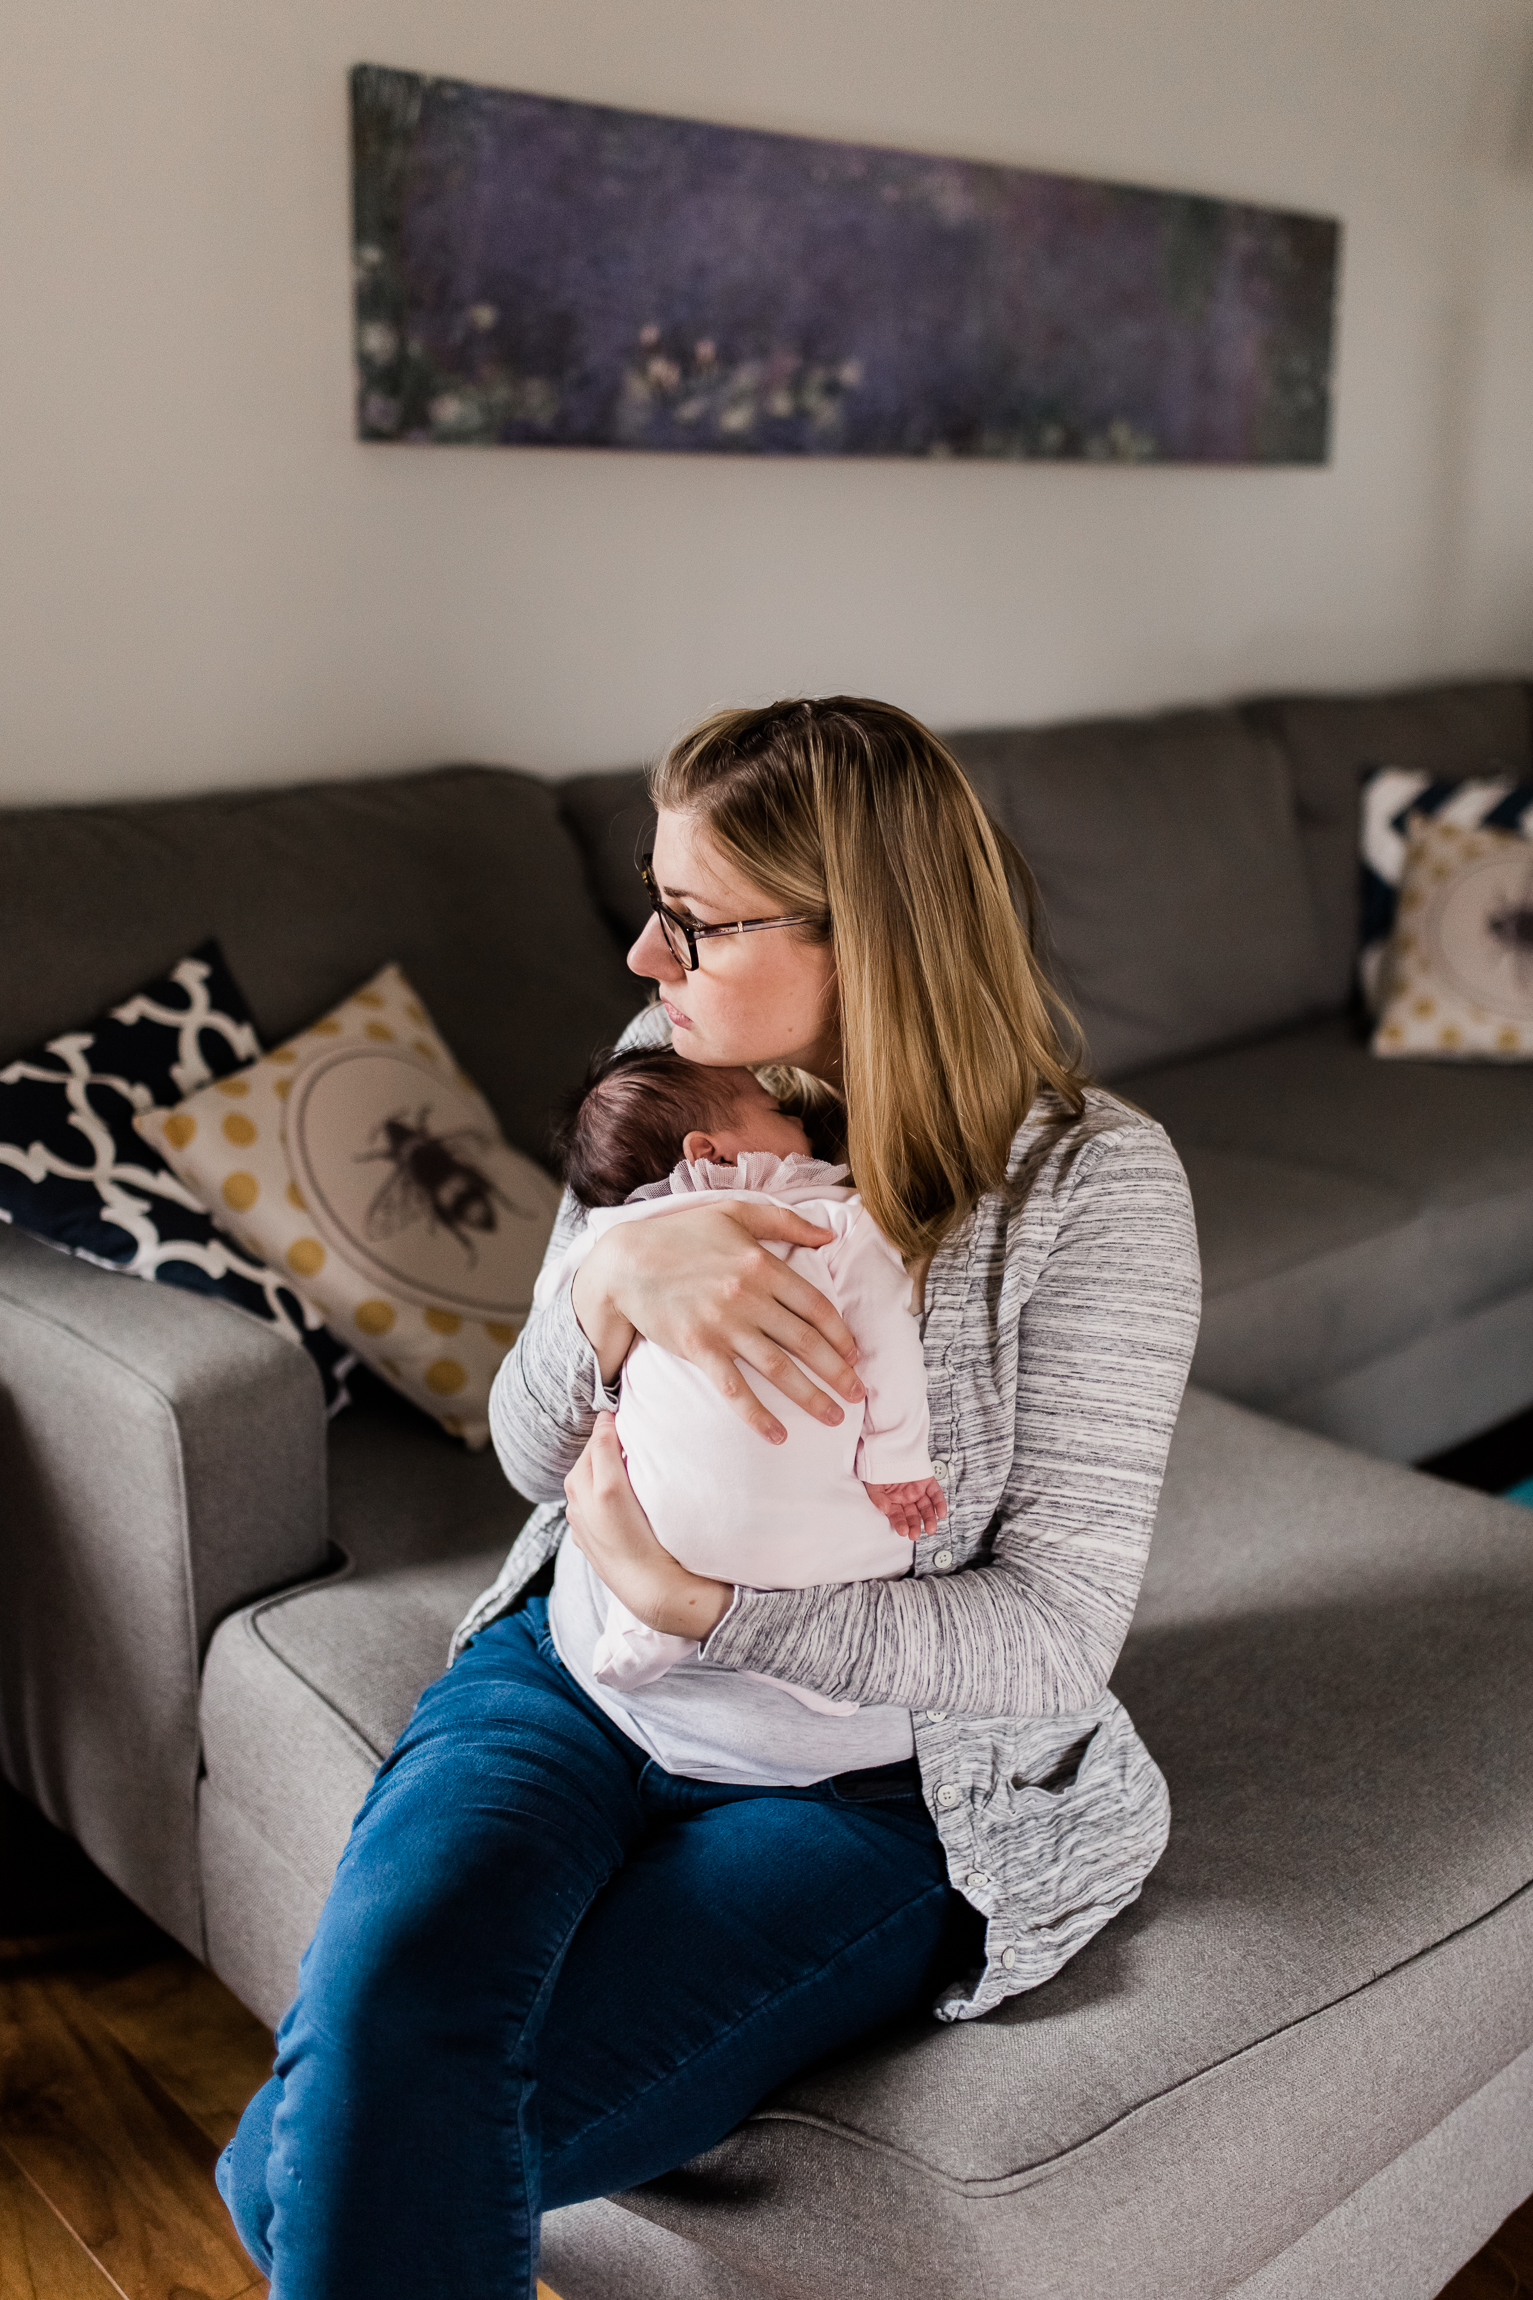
pixel 548 1970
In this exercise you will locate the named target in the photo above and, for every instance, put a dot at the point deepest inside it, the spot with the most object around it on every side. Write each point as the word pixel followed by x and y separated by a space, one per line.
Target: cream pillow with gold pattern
pixel 362 1161
pixel 1459 968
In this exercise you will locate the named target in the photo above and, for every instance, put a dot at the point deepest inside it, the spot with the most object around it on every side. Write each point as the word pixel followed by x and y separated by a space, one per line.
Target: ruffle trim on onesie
pixel 792 1177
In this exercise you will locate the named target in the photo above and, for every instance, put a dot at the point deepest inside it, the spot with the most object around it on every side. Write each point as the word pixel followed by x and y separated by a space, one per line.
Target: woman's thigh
pixel 737 1945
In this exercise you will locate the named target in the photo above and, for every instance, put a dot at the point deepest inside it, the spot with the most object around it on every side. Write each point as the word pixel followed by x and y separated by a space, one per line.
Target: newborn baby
pixel 649 1133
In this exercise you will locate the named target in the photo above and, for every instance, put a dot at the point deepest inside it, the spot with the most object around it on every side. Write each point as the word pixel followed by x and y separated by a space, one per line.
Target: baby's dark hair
pixel 628 1121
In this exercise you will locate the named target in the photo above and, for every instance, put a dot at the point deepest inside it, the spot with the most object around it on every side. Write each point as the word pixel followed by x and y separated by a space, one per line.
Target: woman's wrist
pixel 687 1604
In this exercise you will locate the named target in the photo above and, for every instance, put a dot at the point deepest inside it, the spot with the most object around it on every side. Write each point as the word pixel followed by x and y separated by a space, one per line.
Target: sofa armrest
pixel 162 1459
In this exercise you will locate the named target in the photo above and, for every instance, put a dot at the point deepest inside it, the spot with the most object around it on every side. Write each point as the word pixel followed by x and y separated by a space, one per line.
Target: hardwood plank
pixel 124 2167
pixel 39 2258
pixel 177 2020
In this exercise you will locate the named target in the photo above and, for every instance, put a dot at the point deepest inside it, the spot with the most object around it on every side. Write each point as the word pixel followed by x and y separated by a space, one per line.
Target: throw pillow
pixel 1459 972
pixel 1393 798
pixel 363 1161
pixel 74 1171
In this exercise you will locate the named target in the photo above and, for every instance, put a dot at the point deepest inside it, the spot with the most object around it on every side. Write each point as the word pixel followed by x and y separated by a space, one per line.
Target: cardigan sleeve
pixel 545 1398
pixel 1035 1625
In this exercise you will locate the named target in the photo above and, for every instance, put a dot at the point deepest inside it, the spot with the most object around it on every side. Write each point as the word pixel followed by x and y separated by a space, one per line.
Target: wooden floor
pixel 123 2070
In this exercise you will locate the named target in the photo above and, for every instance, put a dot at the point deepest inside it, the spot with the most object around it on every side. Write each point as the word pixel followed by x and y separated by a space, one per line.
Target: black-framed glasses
pixel 682 935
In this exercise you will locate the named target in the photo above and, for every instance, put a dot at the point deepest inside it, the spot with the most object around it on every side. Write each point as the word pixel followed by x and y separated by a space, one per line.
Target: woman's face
pixel 755 997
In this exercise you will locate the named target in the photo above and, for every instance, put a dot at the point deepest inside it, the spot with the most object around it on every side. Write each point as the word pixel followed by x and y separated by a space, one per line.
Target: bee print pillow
pixel 362 1163
pixel 1458 973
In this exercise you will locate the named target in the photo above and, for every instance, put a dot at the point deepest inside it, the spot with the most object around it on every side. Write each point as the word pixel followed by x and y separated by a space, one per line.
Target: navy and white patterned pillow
pixel 74 1172
pixel 1391 796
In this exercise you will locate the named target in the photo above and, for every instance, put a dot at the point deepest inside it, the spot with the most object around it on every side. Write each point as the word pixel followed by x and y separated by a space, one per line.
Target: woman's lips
pixel 679 1021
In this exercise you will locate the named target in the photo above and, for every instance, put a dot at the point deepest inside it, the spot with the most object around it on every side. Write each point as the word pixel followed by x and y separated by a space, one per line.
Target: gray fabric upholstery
pixel 1441 1388
pixel 462 874
pixel 305 1692
pixel 600 2251
pixel 1349 1210
pixel 1330 1663
pixel 1404 2233
pixel 1329 740
pixel 1400 2236
pixel 612 822
pixel 164 1459
pixel 1167 855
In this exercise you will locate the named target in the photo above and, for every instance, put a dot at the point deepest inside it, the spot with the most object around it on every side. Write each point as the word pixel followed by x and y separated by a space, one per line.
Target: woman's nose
pixel 653 957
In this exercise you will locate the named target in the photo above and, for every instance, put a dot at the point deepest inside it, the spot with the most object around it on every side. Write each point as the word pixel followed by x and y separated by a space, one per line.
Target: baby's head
pixel 641 1111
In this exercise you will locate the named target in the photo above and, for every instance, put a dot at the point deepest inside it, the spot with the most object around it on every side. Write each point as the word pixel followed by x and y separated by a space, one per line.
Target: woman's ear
pixel 699 1148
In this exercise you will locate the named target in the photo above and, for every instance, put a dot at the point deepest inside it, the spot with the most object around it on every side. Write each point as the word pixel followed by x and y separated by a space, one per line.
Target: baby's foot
pixel 915 1506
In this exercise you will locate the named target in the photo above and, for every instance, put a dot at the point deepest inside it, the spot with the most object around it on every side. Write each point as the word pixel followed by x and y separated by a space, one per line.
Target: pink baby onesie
pixel 720 1498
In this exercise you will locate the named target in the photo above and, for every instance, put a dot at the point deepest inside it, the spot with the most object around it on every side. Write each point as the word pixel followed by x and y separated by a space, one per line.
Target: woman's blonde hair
pixel 853 814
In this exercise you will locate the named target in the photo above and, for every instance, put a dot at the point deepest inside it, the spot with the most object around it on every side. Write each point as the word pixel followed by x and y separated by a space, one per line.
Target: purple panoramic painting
pixel 535 272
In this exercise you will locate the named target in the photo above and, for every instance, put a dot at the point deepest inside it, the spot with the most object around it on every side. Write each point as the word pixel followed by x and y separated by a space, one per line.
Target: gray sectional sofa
pixel 1303 2063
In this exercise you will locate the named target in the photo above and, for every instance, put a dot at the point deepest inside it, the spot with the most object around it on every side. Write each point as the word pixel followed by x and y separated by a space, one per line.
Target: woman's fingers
pixel 796 1294
pixel 703 1284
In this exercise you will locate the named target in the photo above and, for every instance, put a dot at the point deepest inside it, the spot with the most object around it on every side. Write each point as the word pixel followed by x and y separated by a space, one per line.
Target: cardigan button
pixel 936 1716
pixel 943 1558
pixel 939 1468
pixel 977 1878
pixel 947 1795
pixel 1008 1958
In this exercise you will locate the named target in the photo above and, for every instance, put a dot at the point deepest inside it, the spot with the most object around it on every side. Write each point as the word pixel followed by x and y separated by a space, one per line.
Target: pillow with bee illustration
pixel 361 1162
pixel 1458 973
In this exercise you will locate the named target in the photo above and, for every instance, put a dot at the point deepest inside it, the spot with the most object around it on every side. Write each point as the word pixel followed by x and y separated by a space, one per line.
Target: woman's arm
pixel 1105 1342
pixel 702 1284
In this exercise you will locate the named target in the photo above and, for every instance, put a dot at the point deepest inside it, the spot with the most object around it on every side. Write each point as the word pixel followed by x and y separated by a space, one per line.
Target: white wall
pixel 207 579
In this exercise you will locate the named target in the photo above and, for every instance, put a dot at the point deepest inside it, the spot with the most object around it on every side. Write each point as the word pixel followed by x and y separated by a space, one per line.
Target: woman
pixel 576 1936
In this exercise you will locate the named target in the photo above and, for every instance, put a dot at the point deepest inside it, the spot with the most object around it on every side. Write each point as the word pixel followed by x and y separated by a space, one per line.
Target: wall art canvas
pixel 532 271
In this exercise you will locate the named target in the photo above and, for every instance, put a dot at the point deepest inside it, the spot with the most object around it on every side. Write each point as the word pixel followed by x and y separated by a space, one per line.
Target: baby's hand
pixel 915 1506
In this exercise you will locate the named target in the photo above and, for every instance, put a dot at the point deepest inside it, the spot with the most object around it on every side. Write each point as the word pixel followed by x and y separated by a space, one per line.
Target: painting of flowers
pixel 531 271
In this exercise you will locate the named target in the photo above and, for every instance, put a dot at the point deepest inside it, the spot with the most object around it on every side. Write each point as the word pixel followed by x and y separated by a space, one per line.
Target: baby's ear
pixel 698 1149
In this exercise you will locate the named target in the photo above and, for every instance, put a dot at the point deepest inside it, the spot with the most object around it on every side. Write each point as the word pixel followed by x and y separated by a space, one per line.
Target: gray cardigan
pixel 1058 1334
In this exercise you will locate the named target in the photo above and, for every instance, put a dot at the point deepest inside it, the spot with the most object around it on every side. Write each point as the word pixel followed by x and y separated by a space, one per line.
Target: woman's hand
pixel 608 1526
pixel 702 1285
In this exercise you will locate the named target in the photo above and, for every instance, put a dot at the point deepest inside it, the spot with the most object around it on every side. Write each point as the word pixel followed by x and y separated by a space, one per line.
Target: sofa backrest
pixel 465 875
pixel 1330 741
pixel 1176 911
pixel 1198 869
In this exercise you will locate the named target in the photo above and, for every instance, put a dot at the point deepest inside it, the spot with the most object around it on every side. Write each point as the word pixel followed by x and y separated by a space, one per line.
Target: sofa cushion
pixel 1329 1661
pixel 1481 727
pixel 1344 1205
pixel 358 1156
pixel 612 822
pixel 462 874
pixel 1458 981
pixel 1392 801
pixel 1166 850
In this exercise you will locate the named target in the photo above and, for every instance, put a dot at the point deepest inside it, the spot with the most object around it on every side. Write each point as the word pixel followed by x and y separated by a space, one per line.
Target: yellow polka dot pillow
pixel 359 1161
pixel 1458 972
